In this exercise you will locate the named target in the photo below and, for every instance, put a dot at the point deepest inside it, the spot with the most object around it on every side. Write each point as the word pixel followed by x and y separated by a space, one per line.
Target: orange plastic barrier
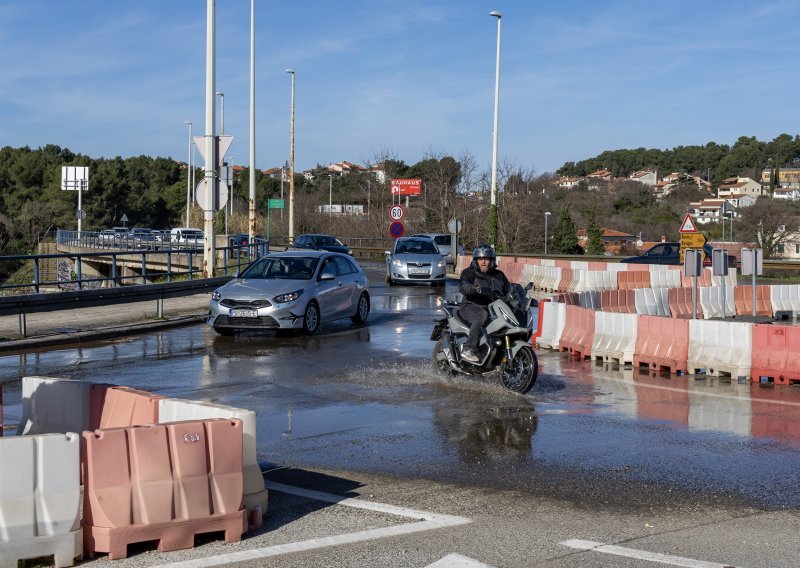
pixel 776 354
pixel 569 298
pixel 563 264
pixel 662 344
pixel 578 333
pixel 634 279
pixel 566 279
pixel 702 281
pixel 117 407
pixel 743 298
pixel 618 301
pixel 164 482
pixel 680 303
pixel 540 325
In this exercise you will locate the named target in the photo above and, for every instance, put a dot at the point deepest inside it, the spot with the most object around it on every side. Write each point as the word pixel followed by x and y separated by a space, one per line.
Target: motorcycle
pixel 505 342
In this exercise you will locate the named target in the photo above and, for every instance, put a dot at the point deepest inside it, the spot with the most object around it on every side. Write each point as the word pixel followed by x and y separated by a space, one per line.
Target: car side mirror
pixel 235 274
pixel 326 276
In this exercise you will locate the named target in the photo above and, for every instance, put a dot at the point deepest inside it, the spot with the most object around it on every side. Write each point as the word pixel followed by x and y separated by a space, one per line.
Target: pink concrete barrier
pixel 633 279
pixel 540 325
pixel 743 298
pixel 162 482
pixel 117 407
pixel 662 344
pixel 681 301
pixel 776 354
pixel 566 279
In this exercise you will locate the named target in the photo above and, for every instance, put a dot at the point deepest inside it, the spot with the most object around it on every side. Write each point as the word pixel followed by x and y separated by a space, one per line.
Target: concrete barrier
pixel 743 298
pixel 720 348
pixel 578 332
pixel 776 354
pixel 662 344
pixel 40 498
pixel 614 337
pixel 711 301
pixel 652 301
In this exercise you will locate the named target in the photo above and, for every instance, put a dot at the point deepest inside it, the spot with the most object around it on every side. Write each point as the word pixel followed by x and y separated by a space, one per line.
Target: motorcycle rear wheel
pixel 440 363
pixel 519 374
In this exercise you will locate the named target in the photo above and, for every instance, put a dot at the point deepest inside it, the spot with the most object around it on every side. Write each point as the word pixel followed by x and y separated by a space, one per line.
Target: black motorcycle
pixel 505 342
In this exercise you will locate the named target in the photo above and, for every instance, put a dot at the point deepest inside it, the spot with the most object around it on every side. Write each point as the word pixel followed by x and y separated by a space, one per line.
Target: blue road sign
pixel 397 229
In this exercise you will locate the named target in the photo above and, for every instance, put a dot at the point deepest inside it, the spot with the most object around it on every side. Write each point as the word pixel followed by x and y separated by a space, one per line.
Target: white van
pixel 186 236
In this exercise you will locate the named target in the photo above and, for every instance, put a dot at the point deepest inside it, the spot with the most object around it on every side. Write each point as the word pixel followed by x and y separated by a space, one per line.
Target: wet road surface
pixel 365 399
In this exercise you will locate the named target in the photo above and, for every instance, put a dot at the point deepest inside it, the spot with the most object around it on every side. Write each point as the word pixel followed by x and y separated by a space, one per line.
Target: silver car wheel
pixel 362 310
pixel 311 319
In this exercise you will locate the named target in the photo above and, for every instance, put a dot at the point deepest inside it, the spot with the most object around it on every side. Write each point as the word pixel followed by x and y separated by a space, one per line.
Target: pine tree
pixel 594 244
pixel 565 240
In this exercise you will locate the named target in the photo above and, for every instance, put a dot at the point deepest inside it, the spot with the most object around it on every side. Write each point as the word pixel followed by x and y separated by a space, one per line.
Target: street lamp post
pixel 251 202
pixel 546 215
pixel 330 195
pixel 189 172
pixel 493 202
pixel 291 164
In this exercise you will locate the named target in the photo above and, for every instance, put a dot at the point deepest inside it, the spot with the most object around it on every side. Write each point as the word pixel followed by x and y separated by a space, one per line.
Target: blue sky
pixel 400 77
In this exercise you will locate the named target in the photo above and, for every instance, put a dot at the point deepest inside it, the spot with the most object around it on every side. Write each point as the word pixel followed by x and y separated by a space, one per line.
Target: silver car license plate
pixel 244 313
pixel 417 271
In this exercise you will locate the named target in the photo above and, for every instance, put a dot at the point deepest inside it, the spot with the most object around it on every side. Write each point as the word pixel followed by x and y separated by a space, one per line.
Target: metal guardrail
pixel 35 303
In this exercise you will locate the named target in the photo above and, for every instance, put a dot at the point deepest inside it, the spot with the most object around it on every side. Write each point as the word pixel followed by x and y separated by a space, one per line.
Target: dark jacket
pixel 478 287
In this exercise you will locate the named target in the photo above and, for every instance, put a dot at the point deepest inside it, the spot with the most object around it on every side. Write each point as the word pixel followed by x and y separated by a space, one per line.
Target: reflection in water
pixel 490 434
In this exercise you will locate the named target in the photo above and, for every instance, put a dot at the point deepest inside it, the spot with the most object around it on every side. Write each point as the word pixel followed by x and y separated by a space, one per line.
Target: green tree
pixel 565 239
pixel 594 243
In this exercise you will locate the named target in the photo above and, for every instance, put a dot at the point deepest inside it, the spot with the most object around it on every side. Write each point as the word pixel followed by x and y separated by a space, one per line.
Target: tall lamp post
pixel 291 164
pixel 330 195
pixel 189 172
pixel 546 215
pixel 493 202
pixel 251 201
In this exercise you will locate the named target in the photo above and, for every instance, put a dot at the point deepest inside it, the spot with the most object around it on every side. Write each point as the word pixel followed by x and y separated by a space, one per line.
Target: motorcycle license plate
pixel 244 313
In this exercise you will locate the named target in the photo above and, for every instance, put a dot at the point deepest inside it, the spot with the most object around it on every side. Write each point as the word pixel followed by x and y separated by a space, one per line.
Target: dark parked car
pixel 321 242
pixel 670 254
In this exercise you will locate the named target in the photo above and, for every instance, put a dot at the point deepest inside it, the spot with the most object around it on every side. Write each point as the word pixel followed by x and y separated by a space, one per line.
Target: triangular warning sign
pixel 688 225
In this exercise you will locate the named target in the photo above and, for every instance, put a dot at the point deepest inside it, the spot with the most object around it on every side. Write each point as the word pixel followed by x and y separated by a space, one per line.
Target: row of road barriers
pixel 741 350
pixel 151 468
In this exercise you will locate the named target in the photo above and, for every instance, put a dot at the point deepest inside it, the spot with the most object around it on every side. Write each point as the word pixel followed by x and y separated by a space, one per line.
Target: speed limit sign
pixel 396 212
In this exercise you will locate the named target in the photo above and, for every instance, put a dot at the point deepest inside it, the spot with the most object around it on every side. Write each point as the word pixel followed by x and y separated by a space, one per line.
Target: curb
pixel 14 346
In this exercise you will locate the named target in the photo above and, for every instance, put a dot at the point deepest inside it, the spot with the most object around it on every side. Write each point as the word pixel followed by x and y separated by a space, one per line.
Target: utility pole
pixel 210 250
pixel 251 209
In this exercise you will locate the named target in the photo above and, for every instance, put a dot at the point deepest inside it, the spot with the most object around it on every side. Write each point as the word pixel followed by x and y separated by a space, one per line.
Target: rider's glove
pixel 496 295
pixel 479 291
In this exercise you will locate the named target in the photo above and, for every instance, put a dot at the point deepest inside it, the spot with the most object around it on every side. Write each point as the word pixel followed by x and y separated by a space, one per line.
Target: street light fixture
pixel 221 96
pixel 189 174
pixel 493 202
pixel 546 215
pixel 291 164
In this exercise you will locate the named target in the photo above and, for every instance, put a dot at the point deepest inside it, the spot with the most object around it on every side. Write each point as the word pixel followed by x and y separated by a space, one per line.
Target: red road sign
pixel 406 186
pixel 397 229
pixel 688 225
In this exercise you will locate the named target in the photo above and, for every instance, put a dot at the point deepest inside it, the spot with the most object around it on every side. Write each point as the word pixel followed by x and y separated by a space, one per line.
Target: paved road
pixel 695 470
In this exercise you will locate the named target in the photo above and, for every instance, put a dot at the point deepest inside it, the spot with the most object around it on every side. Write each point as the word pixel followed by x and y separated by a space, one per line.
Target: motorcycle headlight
pixel 290 297
pixel 216 296
pixel 397 263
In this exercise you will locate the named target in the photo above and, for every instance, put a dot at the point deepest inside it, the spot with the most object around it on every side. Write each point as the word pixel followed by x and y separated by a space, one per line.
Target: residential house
pixel 788 193
pixel 738 201
pixel 614 242
pixel 787 177
pixel 740 185
pixel 710 210
pixel 343 168
pixel 378 171
pixel 566 182
pixel 604 175
pixel 662 188
pixel 646 177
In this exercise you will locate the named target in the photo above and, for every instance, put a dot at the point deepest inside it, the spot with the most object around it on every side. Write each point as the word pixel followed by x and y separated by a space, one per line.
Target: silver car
pixel 291 290
pixel 415 259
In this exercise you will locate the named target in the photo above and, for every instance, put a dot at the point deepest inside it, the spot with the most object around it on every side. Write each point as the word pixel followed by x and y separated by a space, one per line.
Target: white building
pixel 788 193
pixel 710 210
pixel 740 185
pixel 645 176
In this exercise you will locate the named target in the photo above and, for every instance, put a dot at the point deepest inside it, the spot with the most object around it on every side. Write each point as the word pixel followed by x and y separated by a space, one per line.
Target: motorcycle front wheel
pixel 440 363
pixel 519 374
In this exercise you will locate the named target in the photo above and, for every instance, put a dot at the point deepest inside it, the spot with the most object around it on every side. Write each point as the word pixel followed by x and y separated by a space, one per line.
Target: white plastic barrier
pixel 579 279
pixel 601 280
pixel 652 301
pixel 729 280
pixel 52 405
pixel 553 320
pixel 255 494
pixel 40 495
pixel 548 262
pixel 663 278
pixel 552 276
pixel 720 347
pixel 614 337
pixel 579 265
pixel 711 302
pixel 785 300
pixel 530 273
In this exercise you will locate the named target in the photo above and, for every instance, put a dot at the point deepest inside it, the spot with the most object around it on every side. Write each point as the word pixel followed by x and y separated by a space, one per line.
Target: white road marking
pixel 457 561
pixel 424 521
pixel 641 554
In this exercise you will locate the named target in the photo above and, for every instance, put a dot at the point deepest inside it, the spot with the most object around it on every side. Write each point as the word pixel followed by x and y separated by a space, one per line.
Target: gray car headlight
pixel 216 296
pixel 397 263
pixel 440 264
pixel 290 297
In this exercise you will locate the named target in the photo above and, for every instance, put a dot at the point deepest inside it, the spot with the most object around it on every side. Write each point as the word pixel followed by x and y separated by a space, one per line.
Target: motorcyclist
pixel 480 283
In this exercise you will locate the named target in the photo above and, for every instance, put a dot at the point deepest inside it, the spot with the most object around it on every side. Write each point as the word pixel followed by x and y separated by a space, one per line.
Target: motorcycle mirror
pixel 529 286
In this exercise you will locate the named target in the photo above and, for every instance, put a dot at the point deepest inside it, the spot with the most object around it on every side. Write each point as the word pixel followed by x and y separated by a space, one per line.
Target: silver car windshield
pixel 416 247
pixel 277 268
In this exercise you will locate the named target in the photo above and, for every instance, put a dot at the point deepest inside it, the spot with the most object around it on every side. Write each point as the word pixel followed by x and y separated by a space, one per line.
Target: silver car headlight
pixel 290 297
pixel 216 296
pixel 350 252
pixel 398 263
pixel 440 263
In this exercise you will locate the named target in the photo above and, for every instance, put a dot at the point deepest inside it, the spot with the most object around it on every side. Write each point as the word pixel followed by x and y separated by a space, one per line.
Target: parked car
pixel 670 254
pixel 444 242
pixel 186 237
pixel 142 238
pixel 107 236
pixel 321 242
pixel 291 290
pixel 415 259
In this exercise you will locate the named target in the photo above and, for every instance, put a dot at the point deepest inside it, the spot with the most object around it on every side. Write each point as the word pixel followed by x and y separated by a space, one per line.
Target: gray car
pixel 291 290
pixel 415 259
